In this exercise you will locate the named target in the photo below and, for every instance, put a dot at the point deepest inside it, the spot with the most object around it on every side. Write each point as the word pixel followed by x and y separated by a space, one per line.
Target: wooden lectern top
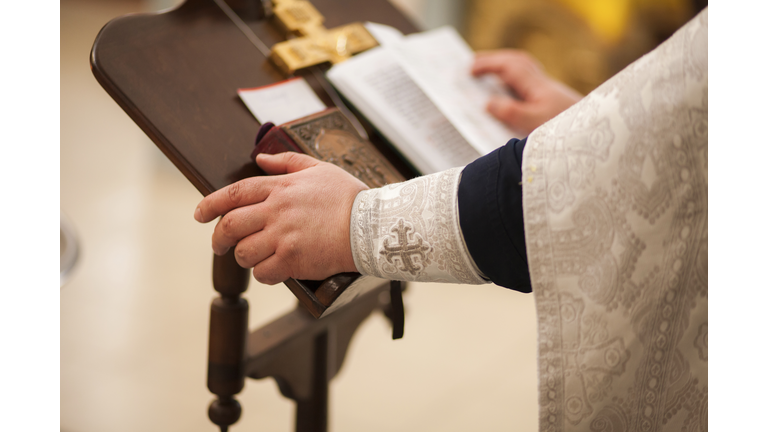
pixel 176 74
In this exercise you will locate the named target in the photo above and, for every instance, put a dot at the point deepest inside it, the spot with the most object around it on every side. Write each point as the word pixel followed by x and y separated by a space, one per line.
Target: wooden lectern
pixel 176 74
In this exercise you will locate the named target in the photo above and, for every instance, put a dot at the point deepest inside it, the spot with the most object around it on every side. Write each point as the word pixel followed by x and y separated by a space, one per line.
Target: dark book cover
pixel 330 137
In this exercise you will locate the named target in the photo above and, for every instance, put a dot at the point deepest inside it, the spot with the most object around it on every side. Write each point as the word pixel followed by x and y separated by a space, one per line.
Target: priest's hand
pixel 540 97
pixel 292 225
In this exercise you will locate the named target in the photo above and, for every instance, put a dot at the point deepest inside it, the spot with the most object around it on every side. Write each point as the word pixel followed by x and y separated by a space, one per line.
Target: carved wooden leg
pixel 227 340
pixel 312 413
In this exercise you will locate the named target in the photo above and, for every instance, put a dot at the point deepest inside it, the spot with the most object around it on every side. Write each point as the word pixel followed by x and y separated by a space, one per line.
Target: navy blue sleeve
pixel 491 216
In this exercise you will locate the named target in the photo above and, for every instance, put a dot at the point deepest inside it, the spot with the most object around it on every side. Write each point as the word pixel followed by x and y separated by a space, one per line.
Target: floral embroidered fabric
pixel 615 209
pixel 410 231
pixel 615 213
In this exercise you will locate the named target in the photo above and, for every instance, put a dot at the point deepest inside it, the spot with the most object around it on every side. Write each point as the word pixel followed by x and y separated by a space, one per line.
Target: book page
pixel 383 92
pixel 281 102
pixel 384 34
pixel 440 62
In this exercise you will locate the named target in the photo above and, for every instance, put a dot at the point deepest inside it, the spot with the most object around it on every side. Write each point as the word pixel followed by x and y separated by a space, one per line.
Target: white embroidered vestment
pixel 615 213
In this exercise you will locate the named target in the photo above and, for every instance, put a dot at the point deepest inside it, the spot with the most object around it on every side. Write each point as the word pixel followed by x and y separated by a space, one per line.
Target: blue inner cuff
pixel 491 216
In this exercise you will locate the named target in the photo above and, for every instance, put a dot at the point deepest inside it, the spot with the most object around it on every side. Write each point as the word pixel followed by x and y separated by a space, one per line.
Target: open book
pixel 418 92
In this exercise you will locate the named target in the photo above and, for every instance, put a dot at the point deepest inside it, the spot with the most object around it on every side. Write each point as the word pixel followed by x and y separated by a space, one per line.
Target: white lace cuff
pixel 410 231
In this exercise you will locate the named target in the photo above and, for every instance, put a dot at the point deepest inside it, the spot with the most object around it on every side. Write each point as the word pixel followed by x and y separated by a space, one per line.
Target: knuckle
pixel 227 226
pixel 235 193
pixel 302 160
pixel 282 208
pixel 242 256
pixel 290 252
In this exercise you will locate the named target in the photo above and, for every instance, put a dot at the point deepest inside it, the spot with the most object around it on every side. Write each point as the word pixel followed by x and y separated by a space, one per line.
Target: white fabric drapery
pixel 615 211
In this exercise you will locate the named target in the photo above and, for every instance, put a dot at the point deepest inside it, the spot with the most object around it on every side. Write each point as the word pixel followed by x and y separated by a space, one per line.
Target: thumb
pixel 285 163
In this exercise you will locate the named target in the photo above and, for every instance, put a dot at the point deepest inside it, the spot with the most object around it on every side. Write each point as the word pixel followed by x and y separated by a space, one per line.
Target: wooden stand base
pixel 300 352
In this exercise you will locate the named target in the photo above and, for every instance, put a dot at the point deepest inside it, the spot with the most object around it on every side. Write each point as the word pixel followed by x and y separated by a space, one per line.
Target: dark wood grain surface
pixel 176 74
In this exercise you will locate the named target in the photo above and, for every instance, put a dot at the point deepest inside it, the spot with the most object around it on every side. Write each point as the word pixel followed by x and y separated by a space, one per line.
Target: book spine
pixel 275 141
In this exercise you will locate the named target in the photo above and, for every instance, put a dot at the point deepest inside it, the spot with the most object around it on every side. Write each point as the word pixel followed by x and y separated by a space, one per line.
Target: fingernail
pixel 198 215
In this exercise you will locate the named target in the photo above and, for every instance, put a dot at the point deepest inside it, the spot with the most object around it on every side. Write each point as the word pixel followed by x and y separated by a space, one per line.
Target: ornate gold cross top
pixel 314 43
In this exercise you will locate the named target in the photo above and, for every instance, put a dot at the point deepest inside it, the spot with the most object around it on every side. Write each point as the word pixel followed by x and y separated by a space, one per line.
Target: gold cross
pixel 314 43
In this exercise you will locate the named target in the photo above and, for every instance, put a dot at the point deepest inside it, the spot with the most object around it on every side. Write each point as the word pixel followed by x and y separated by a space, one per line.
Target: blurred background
pixel 136 267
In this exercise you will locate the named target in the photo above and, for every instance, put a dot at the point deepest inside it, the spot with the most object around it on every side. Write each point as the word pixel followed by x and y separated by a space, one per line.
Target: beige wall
pixel 134 316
